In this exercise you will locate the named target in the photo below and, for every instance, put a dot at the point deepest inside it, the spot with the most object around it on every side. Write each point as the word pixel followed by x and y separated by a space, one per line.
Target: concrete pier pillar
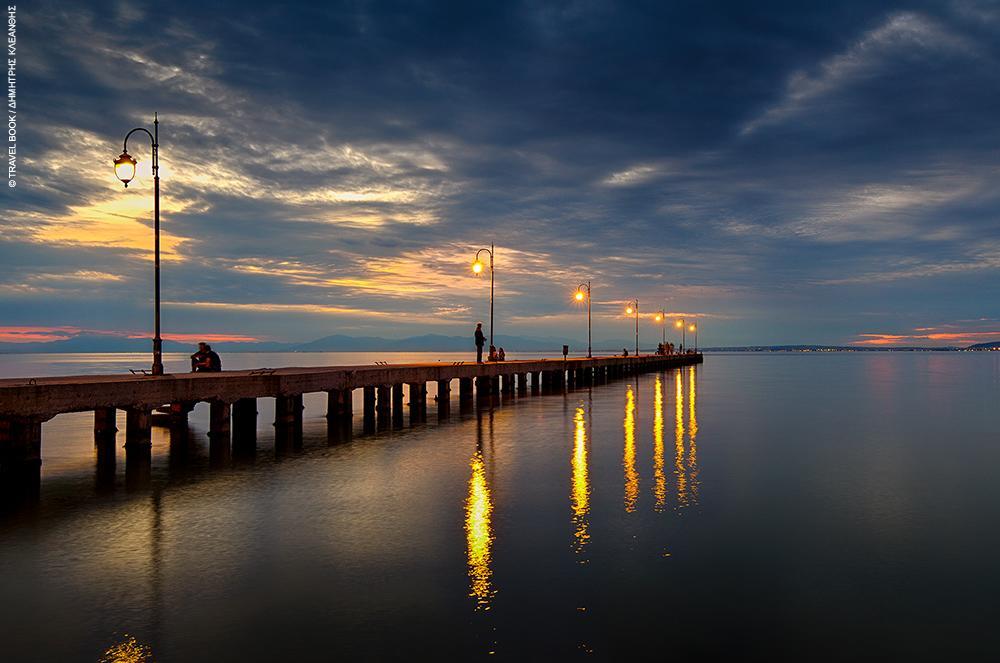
pixel 383 406
pixel 220 420
pixel 495 386
pixel 483 386
pixel 369 408
pixel 20 448
pixel 397 405
pixel 138 427
pixel 571 378
pixel 444 398
pixel 219 433
pixel 287 422
pixel 465 390
pixel 536 383
pixel 105 423
pixel 178 412
pixel 508 385
pixel 418 402
pixel 522 384
pixel 339 403
pixel 245 425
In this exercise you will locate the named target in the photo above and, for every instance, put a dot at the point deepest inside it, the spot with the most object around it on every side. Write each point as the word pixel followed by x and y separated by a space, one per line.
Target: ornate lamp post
pixel 584 290
pixel 125 170
pixel 680 324
pixel 633 307
pixel 477 268
pixel 694 328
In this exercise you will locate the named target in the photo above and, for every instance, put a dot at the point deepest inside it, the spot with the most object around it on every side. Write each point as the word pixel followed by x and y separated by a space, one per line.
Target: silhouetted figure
pixel 493 353
pixel 624 352
pixel 480 342
pixel 501 355
pixel 205 360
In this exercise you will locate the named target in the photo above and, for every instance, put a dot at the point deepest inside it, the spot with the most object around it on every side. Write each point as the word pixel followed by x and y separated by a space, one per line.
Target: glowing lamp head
pixel 630 310
pixel 477 267
pixel 578 296
pixel 125 168
pixel 659 318
pixel 679 324
pixel 692 327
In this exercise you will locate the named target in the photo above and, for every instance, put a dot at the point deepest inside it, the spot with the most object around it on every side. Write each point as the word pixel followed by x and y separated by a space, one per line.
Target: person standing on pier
pixel 480 342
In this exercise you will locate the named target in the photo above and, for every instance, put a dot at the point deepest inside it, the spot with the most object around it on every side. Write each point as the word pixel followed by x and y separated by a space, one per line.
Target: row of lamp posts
pixel 125 166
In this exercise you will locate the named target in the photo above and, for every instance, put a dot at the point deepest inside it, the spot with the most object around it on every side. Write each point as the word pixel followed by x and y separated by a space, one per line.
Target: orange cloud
pixel 928 339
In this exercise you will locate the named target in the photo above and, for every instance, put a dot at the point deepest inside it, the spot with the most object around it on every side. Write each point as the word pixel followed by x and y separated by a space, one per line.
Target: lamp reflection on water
pixel 628 459
pixel 659 476
pixel 692 436
pixel 580 498
pixel 479 534
pixel 682 497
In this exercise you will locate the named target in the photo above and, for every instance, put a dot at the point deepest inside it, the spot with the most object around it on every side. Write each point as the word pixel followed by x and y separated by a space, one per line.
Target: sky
pixel 779 172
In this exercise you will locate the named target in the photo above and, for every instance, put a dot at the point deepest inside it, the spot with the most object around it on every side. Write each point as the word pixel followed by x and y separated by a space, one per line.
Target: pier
pixel 26 403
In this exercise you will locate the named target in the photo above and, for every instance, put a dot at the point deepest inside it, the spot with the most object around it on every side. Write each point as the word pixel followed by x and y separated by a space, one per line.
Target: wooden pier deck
pixel 25 403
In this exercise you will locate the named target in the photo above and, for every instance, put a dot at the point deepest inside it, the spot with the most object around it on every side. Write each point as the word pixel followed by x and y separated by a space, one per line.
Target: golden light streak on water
pixel 628 459
pixel 580 499
pixel 479 535
pixel 128 650
pixel 693 434
pixel 682 497
pixel 659 476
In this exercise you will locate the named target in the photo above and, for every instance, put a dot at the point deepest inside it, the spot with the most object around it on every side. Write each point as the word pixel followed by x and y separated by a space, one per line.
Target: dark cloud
pixel 786 170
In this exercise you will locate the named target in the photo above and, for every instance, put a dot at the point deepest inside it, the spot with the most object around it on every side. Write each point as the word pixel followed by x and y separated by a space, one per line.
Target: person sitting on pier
pixel 493 353
pixel 624 352
pixel 501 355
pixel 205 360
pixel 480 342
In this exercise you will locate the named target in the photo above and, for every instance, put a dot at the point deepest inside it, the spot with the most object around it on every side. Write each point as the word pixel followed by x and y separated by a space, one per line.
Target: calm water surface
pixel 821 506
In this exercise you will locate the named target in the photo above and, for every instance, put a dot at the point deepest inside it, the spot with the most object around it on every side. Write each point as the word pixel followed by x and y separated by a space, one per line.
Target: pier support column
pixel 138 448
pixel 522 384
pixel 179 413
pixel 138 427
pixel 20 458
pixel 220 424
pixel 245 425
pixel 339 404
pixel 444 398
pixel 536 383
pixel 483 385
pixel 508 385
pixel 105 424
pixel 369 409
pixel 418 402
pixel 287 422
pixel 397 405
pixel 494 386
pixel 465 395
pixel 383 407
pixel 571 378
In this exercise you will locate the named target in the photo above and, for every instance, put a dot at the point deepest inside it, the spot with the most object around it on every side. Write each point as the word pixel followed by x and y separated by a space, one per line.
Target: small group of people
pixel 664 348
pixel 494 355
pixel 205 360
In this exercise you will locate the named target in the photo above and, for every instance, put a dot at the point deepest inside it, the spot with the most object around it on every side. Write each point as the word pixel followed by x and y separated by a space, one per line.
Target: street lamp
pixel 633 307
pixel 694 328
pixel 125 171
pixel 583 290
pixel 680 324
pixel 661 317
pixel 477 268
